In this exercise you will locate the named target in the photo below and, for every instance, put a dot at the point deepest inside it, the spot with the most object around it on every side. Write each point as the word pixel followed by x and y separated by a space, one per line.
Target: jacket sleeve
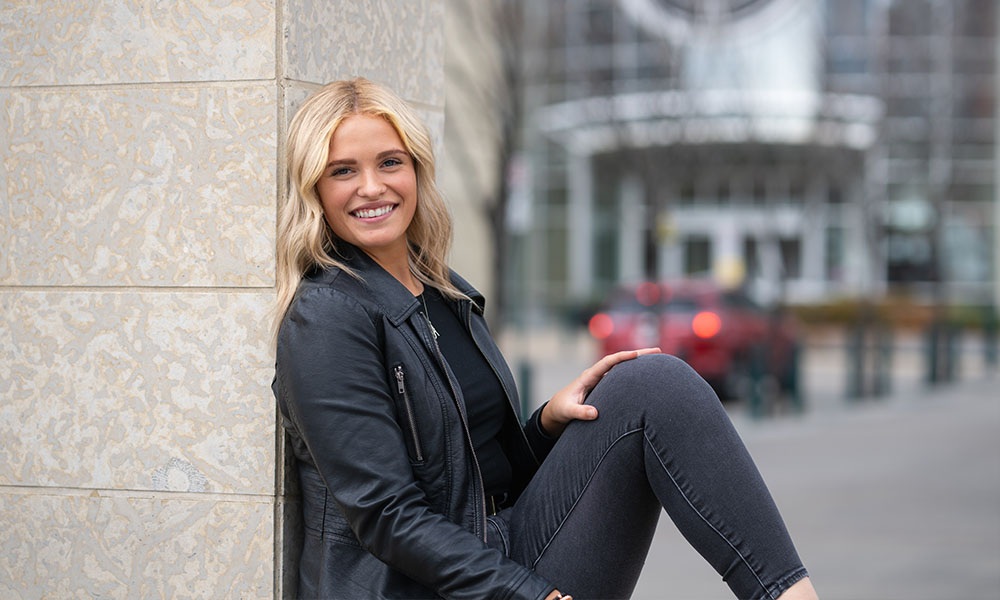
pixel 541 442
pixel 331 376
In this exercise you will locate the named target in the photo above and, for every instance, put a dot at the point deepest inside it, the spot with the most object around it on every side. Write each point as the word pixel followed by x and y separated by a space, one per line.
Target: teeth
pixel 368 213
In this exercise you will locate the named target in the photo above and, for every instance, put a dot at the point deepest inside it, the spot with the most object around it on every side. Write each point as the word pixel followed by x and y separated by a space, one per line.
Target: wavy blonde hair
pixel 305 240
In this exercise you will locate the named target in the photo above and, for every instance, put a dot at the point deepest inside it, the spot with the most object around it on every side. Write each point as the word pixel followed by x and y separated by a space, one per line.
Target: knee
pixel 655 369
pixel 660 381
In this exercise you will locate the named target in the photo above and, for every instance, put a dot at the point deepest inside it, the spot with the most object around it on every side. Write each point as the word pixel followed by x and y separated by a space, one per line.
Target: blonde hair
pixel 305 240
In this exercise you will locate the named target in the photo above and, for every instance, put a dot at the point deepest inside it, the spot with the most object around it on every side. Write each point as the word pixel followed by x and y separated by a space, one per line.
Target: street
pixel 891 498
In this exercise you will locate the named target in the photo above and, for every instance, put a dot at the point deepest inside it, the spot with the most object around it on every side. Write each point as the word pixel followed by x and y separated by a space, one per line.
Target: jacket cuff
pixel 541 442
pixel 532 587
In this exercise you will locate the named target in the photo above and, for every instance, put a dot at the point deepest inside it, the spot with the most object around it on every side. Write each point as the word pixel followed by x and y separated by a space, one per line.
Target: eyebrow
pixel 379 156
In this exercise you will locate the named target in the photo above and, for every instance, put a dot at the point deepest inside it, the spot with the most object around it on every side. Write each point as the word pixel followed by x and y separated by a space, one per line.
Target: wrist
pixel 549 426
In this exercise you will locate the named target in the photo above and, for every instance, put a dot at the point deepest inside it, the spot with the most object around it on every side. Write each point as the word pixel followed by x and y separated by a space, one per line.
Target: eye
pixel 392 162
pixel 339 171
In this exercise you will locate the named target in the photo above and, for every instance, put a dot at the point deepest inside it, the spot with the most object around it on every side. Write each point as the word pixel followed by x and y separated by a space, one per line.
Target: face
pixel 369 187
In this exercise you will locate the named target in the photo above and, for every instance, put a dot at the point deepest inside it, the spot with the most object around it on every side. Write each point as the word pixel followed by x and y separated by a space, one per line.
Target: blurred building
pixel 805 148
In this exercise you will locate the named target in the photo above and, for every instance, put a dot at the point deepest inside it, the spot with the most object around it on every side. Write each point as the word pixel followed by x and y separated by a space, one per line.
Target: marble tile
pixel 148 186
pixel 296 95
pixel 139 391
pixel 291 532
pixel 53 42
pixel 134 546
pixel 434 120
pixel 396 42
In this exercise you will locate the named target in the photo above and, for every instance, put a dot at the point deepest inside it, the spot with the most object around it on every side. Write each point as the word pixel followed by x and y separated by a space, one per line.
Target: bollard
pixel 883 370
pixel 953 348
pixel 524 383
pixel 855 347
pixel 755 372
pixel 793 383
pixel 942 351
pixel 990 335
pixel 932 352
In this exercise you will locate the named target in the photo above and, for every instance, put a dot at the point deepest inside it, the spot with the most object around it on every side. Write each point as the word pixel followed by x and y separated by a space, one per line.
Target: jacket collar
pixel 397 301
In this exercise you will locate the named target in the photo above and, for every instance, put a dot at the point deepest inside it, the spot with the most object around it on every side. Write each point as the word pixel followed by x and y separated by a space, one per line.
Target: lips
pixel 373 213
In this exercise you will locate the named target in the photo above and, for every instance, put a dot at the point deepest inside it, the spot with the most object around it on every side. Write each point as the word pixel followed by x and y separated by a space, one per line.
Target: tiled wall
pixel 139 175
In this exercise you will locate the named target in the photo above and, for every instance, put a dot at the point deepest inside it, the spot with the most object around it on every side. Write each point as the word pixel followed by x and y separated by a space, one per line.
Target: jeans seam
pixel 503 538
pixel 576 501
pixel 705 519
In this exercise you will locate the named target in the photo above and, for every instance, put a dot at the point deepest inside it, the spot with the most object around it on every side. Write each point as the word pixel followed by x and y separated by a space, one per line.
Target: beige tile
pixel 399 43
pixel 296 95
pixel 159 187
pixel 52 42
pixel 139 546
pixel 434 120
pixel 141 391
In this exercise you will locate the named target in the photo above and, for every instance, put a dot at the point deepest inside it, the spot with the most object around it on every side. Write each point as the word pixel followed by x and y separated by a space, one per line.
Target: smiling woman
pixel 418 478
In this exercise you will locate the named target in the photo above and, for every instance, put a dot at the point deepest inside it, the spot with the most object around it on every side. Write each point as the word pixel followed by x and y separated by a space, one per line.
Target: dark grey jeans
pixel 662 439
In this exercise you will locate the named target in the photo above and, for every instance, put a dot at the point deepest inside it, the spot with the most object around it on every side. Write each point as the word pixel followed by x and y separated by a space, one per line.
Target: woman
pixel 418 480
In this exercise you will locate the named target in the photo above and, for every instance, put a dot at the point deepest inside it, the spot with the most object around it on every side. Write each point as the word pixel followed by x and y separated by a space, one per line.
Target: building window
pixel 687 194
pixel 750 259
pixel 759 192
pixel 834 194
pixel 791 258
pixel 835 253
pixel 697 255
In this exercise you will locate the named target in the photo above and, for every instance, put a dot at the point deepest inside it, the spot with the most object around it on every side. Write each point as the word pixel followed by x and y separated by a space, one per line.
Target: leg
pixel 662 439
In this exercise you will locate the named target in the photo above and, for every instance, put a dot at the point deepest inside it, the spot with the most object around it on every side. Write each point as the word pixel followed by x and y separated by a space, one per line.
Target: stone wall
pixel 139 172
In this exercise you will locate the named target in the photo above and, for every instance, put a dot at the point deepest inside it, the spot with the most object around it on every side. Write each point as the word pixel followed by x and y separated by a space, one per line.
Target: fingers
pixel 591 376
pixel 604 365
pixel 581 412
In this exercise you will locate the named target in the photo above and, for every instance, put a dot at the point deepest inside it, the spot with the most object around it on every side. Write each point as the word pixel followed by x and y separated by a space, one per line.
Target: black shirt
pixel 484 396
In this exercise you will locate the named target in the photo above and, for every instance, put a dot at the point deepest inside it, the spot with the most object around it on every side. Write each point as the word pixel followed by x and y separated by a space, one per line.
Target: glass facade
pixel 824 148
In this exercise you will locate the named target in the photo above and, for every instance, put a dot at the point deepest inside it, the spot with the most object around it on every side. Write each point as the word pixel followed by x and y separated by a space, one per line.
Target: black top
pixel 484 395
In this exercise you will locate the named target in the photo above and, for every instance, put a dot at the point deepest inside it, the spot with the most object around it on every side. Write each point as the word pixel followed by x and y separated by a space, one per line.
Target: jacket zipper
pixel 468 435
pixel 401 388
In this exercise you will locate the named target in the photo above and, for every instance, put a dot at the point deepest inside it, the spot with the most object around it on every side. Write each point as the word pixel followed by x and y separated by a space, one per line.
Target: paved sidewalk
pixel 892 499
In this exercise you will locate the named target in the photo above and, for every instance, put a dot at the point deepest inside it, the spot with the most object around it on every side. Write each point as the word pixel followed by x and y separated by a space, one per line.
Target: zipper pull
pixel 399 379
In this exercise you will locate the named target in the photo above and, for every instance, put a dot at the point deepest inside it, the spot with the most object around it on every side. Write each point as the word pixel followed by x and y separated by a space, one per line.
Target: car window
pixel 739 301
pixel 681 305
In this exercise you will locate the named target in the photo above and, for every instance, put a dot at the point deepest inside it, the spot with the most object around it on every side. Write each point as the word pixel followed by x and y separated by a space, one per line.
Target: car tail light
pixel 706 324
pixel 647 293
pixel 601 326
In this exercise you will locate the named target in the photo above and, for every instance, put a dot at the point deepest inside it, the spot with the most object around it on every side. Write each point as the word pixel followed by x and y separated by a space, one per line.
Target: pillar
pixel 140 453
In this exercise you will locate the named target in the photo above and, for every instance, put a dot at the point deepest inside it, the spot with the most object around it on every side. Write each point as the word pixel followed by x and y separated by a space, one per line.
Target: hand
pixel 555 595
pixel 568 405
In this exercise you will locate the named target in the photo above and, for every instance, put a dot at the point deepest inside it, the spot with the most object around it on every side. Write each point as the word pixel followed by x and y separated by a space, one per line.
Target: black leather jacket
pixel 393 504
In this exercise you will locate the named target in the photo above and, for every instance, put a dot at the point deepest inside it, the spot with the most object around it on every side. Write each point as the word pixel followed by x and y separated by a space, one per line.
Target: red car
pixel 727 338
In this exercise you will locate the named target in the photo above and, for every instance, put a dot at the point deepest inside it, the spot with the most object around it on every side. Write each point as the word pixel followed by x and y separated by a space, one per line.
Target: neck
pixel 398 265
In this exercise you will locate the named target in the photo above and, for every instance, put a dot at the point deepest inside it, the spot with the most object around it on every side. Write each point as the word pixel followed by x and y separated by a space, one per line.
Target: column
pixel 581 230
pixel 631 229
pixel 139 446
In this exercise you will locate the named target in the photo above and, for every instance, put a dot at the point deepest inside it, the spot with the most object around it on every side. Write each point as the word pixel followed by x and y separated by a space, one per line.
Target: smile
pixel 371 213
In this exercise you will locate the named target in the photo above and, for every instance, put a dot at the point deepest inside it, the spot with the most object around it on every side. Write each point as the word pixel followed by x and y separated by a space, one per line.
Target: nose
pixel 371 185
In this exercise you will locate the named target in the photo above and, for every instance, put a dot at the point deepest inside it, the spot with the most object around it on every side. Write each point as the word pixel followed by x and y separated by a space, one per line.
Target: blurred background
pixel 800 198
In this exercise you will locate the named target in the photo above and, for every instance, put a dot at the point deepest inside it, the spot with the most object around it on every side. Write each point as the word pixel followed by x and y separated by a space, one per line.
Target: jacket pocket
pixel 409 413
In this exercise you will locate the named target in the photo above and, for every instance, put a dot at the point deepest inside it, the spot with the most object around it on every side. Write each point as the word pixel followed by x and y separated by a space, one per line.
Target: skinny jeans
pixel 662 440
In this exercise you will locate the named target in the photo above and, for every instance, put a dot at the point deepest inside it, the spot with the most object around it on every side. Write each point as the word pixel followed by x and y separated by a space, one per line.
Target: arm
pixel 332 377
